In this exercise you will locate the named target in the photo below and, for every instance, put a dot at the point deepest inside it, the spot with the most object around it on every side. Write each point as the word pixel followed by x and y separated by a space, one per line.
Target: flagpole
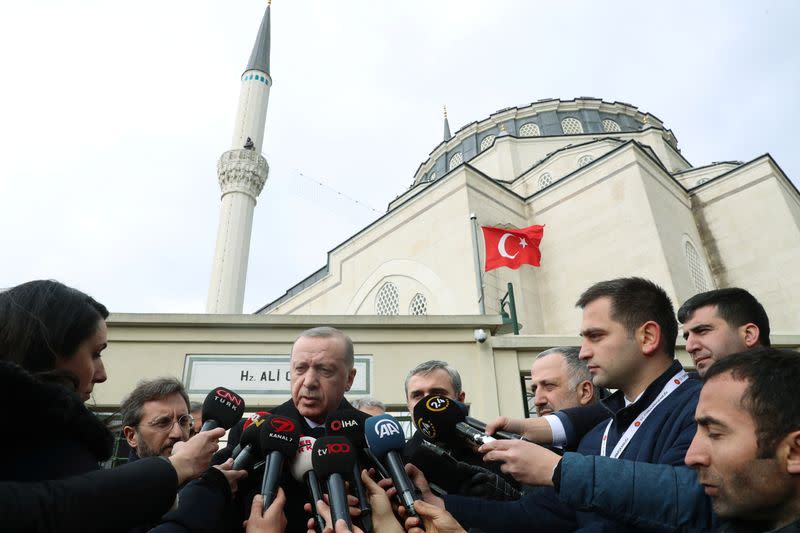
pixel 481 304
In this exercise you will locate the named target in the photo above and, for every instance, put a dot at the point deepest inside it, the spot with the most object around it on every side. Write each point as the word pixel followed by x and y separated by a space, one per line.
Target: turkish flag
pixel 512 248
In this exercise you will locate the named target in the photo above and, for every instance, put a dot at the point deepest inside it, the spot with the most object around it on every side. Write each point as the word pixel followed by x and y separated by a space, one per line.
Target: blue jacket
pixel 664 438
pixel 656 497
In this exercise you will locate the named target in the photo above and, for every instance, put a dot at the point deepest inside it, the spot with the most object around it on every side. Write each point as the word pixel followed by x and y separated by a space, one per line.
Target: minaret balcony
pixel 242 170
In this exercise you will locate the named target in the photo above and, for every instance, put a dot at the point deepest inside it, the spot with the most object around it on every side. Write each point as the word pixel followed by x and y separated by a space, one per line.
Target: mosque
pixel 607 181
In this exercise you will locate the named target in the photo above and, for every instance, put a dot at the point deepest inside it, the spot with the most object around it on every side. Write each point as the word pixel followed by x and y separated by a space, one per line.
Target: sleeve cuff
pixel 557 428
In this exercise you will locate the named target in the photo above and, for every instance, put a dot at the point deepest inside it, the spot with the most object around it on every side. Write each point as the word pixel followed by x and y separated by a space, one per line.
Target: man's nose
pixel 176 432
pixel 697 455
pixel 691 344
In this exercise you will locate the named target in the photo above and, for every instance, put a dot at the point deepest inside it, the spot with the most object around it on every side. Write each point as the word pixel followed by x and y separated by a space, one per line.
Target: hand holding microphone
pixel 386 439
pixel 279 438
pixel 333 458
pixel 221 408
pixel 191 458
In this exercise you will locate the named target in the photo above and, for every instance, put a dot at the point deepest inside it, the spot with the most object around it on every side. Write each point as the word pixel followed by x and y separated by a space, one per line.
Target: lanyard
pixel 626 437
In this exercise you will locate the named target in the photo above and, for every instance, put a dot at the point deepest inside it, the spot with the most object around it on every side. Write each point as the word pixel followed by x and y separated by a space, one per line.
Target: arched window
pixel 387 301
pixel 418 305
pixel 697 270
pixel 610 126
pixel 544 180
pixel 456 160
pixel 585 160
pixel 486 142
pixel 529 129
pixel 571 126
pixel 702 181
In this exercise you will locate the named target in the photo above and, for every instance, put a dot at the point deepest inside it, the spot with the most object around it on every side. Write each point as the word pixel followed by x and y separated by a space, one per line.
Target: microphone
pixel 333 457
pixel 249 444
pixel 349 423
pixel 279 436
pixel 221 408
pixel 440 419
pixel 499 434
pixel 386 440
pixel 303 471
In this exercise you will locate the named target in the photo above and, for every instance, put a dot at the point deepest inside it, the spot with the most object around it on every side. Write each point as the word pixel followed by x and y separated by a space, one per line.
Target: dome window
pixel 456 160
pixel 486 142
pixel 418 305
pixel 696 269
pixel 585 160
pixel 387 301
pixel 609 126
pixel 529 129
pixel 545 180
pixel 571 126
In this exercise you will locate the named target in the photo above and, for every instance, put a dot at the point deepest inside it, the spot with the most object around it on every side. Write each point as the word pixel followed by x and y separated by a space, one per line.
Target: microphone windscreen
pixel 436 418
pixel 279 434
pixel 254 416
pixel 384 434
pixel 252 435
pixel 224 406
pixel 333 455
pixel 347 423
pixel 302 463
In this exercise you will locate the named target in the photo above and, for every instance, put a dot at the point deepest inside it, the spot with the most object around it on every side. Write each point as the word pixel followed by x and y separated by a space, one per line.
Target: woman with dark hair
pixel 55 332
pixel 51 339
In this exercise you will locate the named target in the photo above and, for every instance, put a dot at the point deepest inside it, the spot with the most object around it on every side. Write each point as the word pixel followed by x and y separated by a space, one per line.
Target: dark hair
pixel 634 301
pixel 771 397
pixel 148 391
pixel 735 306
pixel 42 321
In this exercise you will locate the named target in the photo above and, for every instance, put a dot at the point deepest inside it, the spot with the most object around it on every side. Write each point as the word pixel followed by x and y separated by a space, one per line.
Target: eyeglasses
pixel 165 423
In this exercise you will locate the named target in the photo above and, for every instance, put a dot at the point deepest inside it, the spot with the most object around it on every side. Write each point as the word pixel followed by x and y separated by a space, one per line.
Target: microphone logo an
pixel 282 425
pixel 437 403
pixel 386 428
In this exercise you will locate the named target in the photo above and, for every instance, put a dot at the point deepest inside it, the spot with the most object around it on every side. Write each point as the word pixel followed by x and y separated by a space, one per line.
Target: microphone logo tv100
pixel 437 403
pixel 333 448
pixel 386 428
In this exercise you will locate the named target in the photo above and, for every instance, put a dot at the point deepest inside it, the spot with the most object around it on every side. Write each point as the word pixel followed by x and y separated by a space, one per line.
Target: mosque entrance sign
pixel 262 375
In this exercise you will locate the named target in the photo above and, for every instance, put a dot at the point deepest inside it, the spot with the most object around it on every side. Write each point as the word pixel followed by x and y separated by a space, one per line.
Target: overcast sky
pixel 113 115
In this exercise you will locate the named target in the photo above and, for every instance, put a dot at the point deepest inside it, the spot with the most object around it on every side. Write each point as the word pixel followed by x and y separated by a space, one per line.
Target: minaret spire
pixel 447 135
pixel 242 172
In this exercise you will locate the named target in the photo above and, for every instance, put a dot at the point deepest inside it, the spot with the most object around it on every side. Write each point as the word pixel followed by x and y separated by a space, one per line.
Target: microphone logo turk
pixel 386 428
pixel 228 398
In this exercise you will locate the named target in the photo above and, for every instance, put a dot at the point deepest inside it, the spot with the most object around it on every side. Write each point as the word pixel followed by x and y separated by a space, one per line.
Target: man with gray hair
pixel 432 377
pixel 155 416
pixel 560 380
pixel 369 405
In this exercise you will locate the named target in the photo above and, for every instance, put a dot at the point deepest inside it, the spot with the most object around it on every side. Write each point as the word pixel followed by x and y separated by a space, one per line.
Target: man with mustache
pixel 559 380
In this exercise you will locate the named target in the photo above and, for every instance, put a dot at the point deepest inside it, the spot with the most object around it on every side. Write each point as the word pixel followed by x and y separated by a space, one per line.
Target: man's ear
pixel 750 334
pixel 790 449
pixel 461 396
pixel 585 392
pixel 351 375
pixel 649 337
pixel 130 436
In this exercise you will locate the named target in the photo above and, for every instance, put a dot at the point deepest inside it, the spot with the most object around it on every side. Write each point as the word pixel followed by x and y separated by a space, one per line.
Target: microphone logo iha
pixel 337 425
pixel 437 403
pixel 386 428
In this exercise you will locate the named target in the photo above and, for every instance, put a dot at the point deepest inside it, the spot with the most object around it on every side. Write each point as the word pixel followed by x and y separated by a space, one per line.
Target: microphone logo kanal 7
pixel 438 403
pixel 386 428
pixel 282 425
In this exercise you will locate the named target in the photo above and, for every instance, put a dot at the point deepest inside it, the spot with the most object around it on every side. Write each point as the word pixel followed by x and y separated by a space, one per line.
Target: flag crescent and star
pixel 512 248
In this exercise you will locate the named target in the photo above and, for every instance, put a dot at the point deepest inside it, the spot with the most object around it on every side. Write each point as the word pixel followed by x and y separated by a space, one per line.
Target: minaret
pixel 242 173
pixel 447 135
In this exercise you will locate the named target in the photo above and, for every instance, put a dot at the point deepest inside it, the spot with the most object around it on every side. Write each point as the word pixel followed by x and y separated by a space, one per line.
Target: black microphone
pixel 334 457
pixel 386 440
pixel 440 419
pixel 279 436
pixel 349 423
pixel 249 445
pixel 499 434
pixel 221 408
pixel 303 471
